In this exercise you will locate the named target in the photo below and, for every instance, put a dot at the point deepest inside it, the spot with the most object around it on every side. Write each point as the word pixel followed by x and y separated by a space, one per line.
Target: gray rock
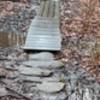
pixel 73 97
pixel 39 80
pixel 42 56
pixel 54 96
pixel 34 71
pixel 87 94
pixel 31 79
pixel 3 92
pixel 44 64
pixel 62 96
pixel 51 87
pixel 12 74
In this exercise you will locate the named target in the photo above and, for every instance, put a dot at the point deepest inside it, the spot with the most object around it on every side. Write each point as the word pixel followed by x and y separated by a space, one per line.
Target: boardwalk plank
pixel 45 13
pixel 42 4
pixel 44 32
pixel 56 8
pixel 50 14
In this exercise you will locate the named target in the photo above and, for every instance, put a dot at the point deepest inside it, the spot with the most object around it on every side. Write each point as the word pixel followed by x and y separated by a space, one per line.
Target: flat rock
pixel 51 87
pixel 12 74
pixel 44 64
pixel 72 97
pixel 48 96
pixel 39 79
pixel 41 56
pixel 3 92
pixel 34 71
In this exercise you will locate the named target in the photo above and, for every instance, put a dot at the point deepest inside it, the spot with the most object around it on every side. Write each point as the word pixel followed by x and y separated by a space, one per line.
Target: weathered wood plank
pixel 50 14
pixel 42 47
pixel 45 25
pixel 45 19
pixel 44 29
pixel 42 4
pixel 42 33
pixel 43 37
pixel 57 9
pixel 45 13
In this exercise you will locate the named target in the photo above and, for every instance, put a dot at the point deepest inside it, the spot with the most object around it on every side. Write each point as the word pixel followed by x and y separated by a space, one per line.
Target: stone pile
pixel 40 76
pixel 40 69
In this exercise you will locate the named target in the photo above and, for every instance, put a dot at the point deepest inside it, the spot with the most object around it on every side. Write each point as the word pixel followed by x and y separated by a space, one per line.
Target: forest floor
pixel 67 75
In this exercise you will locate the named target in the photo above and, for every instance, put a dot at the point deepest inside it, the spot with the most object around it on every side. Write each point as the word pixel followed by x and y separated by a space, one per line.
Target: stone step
pixel 44 64
pixel 40 79
pixel 51 87
pixel 41 56
pixel 53 96
pixel 34 71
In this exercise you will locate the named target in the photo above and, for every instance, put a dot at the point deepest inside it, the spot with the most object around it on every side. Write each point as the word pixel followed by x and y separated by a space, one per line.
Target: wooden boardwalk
pixel 44 32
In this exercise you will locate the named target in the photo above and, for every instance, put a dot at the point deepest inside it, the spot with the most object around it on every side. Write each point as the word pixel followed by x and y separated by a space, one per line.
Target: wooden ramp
pixel 44 32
